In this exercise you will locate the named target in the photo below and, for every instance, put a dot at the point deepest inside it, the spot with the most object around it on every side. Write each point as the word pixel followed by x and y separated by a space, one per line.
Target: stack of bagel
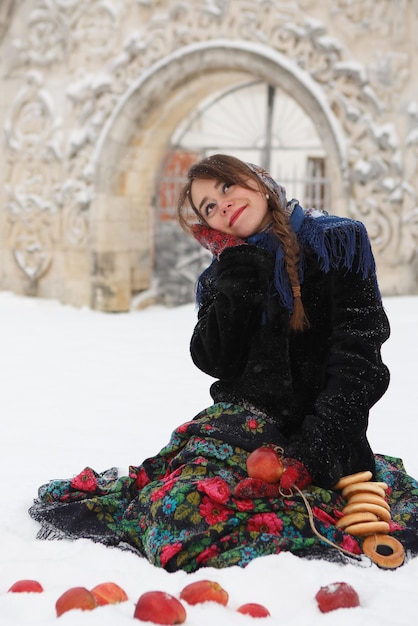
pixel 367 514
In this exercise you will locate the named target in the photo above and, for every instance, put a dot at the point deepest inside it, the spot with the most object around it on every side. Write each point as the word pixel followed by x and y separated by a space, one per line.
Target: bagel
pixel 396 552
pixel 355 507
pixel 374 488
pixel 367 528
pixel 353 478
pixel 368 498
pixel 356 518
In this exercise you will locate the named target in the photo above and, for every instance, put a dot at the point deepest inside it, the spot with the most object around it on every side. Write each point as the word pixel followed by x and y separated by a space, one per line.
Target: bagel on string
pixel 367 514
pixel 363 529
pixel 385 551
pixel 369 498
pixel 356 507
pixel 364 487
pixel 356 518
pixel 360 477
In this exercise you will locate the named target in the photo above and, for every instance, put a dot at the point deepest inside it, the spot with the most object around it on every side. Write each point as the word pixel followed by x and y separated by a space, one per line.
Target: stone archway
pixel 89 82
pixel 132 144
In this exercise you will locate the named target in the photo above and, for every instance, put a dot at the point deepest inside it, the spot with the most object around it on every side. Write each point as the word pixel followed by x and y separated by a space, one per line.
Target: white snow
pixel 85 388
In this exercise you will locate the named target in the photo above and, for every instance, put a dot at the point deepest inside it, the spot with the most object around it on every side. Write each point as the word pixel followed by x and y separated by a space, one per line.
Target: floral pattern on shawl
pixel 178 507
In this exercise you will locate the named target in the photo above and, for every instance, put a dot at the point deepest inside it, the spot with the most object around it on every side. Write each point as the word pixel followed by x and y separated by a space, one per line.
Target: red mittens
pixel 213 240
pixel 294 474
pixel 250 488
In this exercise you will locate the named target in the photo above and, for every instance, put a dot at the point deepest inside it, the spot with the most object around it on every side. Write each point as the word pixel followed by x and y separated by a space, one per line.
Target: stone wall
pixel 93 90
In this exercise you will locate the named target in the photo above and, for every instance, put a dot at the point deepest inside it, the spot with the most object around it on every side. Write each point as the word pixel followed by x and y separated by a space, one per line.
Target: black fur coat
pixel 317 385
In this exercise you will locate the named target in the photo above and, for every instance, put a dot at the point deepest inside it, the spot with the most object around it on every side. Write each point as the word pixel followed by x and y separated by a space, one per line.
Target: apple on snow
pixel 75 598
pixel 337 596
pixel 253 609
pixel 204 591
pixel 108 593
pixel 28 586
pixel 160 607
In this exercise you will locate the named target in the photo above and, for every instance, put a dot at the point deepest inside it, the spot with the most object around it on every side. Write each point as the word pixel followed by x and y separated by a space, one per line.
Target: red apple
pixel 204 591
pixel 75 598
pixel 337 596
pixel 108 593
pixel 253 609
pixel 26 586
pixel 160 607
pixel 264 463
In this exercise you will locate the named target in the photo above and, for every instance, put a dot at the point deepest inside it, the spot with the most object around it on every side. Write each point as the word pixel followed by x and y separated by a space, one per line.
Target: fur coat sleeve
pixel 332 438
pixel 236 293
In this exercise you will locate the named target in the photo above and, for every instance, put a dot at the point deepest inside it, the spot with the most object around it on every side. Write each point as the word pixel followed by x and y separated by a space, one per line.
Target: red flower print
pixel 244 505
pixel 252 423
pixel 165 487
pixel 207 554
pixel 350 544
pixel 216 488
pixel 167 552
pixel 133 471
pixel 213 512
pixel 265 523
pixel 173 474
pixel 183 427
pixel 142 479
pixel 158 494
pixel 85 480
pixel 323 516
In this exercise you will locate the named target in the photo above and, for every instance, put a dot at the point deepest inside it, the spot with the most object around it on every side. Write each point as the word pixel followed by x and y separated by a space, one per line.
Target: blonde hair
pixel 230 169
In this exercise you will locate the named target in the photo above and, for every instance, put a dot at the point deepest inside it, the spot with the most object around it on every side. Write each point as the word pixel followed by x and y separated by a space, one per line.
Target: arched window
pixel 255 122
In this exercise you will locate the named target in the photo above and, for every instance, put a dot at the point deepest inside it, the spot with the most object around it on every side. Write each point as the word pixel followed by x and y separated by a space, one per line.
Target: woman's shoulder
pixel 326 222
pixel 339 242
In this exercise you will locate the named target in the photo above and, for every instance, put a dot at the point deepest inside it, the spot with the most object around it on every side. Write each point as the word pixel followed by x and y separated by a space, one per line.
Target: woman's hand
pixel 214 240
pixel 295 474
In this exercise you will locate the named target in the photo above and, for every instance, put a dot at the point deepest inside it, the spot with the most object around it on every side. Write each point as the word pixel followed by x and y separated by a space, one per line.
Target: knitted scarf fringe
pixel 340 243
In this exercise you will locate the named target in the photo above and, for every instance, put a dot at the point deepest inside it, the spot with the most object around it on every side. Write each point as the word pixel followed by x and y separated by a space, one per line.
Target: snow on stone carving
pixel 33 136
pixel 104 54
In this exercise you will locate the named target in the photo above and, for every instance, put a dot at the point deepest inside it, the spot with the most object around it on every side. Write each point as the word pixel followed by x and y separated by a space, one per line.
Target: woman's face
pixel 230 208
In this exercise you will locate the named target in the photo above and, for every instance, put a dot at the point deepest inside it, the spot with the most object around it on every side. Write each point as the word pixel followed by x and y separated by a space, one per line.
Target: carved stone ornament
pixel 104 55
pixel 34 141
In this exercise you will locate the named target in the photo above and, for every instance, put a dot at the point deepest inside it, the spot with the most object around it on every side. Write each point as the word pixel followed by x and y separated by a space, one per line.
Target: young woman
pixel 291 325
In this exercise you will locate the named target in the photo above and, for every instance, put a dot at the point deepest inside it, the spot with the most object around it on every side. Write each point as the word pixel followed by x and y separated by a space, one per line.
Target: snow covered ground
pixel 85 388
